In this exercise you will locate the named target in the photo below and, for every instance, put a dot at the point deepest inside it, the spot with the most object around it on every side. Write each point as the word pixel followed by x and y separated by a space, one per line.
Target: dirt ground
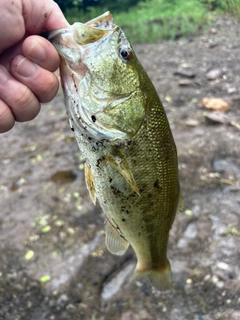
pixel 53 260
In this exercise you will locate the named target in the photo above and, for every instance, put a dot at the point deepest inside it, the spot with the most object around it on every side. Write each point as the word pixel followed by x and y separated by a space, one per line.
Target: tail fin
pixel 161 279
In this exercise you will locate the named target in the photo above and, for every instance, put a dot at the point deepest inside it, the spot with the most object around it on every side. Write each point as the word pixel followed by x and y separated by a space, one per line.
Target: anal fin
pixel 90 183
pixel 114 242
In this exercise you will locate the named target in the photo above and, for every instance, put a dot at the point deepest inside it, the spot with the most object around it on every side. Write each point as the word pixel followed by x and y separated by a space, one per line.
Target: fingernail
pixel 37 52
pixel 3 75
pixel 26 68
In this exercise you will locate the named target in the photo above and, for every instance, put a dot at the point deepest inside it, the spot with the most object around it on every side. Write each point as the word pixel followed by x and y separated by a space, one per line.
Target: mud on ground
pixel 53 261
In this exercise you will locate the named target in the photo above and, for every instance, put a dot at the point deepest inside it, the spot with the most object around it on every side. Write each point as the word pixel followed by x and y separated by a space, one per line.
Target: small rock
pixel 63 299
pixel 235 315
pixel 213 31
pixel 191 123
pixel 216 117
pixel 215 279
pixel 223 265
pixel 216 104
pixel 191 231
pixel 207 277
pixel 184 73
pixel 185 82
pixel 182 243
pixel 231 90
pixel 213 74
pixel 220 284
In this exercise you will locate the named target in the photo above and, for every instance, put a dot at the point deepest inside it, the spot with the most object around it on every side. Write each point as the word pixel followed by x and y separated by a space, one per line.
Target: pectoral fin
pixel 121 165
pixel 114 242
pixel 90 183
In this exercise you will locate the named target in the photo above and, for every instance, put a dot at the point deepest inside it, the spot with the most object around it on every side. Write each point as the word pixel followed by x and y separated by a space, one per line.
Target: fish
pixel 131 165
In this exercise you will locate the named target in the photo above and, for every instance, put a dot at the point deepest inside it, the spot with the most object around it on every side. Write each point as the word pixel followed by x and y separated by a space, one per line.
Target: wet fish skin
pixel 124 135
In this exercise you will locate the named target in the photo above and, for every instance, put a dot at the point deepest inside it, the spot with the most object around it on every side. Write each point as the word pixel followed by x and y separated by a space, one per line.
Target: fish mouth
pixel 103 22
pixel 67 40
pixel 76 41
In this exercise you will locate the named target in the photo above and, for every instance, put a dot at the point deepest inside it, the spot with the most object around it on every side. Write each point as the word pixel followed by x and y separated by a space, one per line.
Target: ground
pixel 54 263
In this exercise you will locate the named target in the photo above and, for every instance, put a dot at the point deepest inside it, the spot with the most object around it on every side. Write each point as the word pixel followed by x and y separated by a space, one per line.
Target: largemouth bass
pixel 124 136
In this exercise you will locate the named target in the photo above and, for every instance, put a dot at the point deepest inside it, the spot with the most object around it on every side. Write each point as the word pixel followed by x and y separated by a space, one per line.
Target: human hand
pixel 27 60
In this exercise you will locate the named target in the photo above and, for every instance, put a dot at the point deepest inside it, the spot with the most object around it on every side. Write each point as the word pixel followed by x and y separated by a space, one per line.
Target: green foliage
pixel 230 6
pixel 74 15
pixel 153 20
pixel 161 19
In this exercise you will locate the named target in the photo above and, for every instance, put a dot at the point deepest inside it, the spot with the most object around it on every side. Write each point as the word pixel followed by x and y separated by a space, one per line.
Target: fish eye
pixel 125 54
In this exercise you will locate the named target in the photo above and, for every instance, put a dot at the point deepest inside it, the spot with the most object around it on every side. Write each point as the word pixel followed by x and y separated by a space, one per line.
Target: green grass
pixel 226 6
pixel 160 19
pixel 154 20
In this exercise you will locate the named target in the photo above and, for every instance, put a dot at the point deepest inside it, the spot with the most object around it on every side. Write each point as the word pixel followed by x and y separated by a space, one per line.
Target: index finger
pixel 28 17
pixel 43 16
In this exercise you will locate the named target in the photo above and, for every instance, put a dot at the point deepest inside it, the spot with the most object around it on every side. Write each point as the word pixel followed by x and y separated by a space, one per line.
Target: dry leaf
pixel 216 104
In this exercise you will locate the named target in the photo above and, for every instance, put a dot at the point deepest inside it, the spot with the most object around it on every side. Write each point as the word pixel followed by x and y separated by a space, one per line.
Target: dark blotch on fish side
pixel 115 190
pixel 156 185
pixel 94 119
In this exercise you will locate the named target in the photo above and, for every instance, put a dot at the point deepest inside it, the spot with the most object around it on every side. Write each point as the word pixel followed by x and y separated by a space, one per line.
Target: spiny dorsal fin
pixel 114 242
pixel 119 162
pixel 90 183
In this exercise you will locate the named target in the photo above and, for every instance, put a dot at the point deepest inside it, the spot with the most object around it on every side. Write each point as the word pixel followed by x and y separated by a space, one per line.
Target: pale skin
pixel 27 60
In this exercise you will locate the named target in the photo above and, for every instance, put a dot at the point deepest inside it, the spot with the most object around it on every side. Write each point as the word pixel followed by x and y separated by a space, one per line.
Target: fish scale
pixel 125 138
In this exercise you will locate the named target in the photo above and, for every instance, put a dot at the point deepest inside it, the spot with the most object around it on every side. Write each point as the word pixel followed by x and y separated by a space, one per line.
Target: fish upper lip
pixel 103 22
